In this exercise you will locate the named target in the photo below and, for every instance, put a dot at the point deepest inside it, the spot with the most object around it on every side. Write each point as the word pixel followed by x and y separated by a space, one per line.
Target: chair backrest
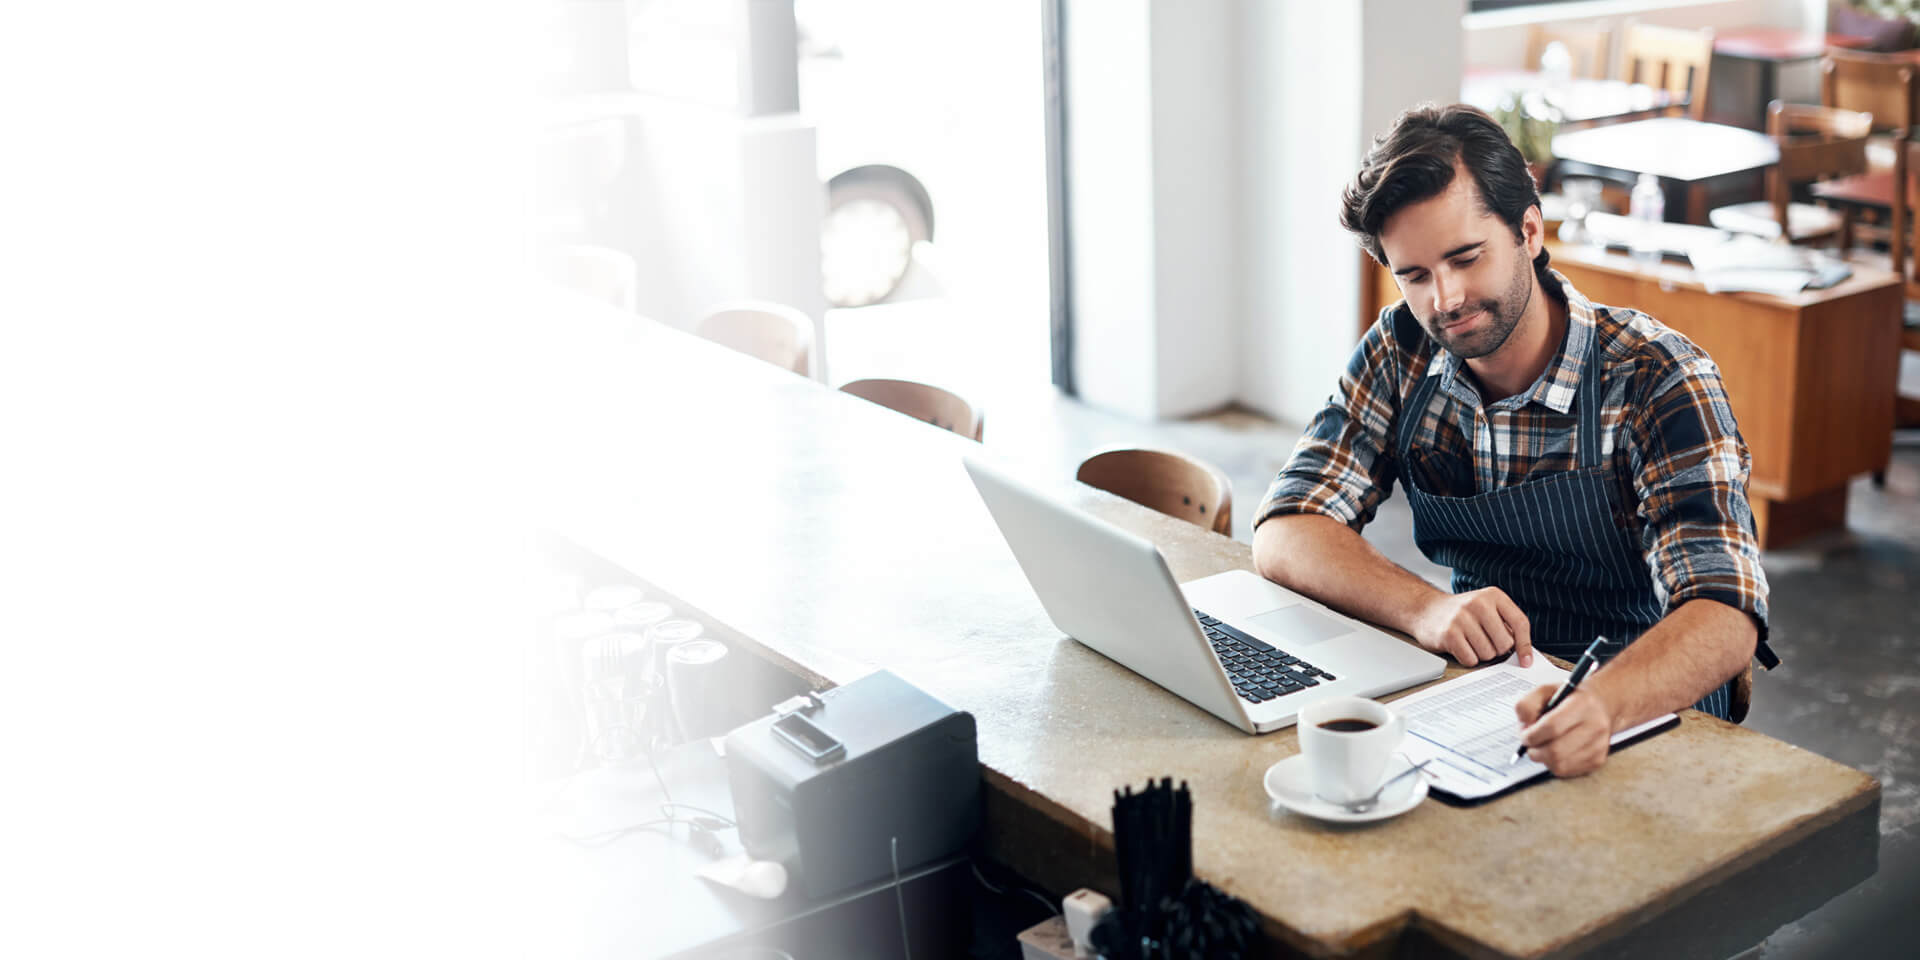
pixel 1884 87
pixel 942 408
pixel 1671 59
pixel 599 272
pixel 1172 483
pixel 1741 699
pixel 774 332
pixel 1816 143
pixel 1588 47
pixel 1875 83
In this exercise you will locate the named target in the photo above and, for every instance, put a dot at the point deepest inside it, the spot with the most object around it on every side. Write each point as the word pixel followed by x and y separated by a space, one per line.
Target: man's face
pixel 1466 278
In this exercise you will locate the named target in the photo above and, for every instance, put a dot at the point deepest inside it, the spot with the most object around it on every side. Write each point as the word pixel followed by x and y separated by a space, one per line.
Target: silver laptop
pixel 1234 644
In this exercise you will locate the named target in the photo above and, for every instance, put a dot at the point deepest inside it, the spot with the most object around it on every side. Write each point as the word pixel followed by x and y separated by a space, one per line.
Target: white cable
pixel 983 879
pixel 900 899
pixel 977 875
pixel 1051 909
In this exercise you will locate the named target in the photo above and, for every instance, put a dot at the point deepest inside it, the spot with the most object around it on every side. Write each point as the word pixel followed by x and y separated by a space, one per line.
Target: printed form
pixel 1467 727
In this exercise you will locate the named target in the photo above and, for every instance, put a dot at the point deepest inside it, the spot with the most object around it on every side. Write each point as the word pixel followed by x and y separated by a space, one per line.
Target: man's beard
pixel 1503 316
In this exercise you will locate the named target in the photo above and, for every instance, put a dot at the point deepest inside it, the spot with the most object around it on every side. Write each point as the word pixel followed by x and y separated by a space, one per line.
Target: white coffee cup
pixel 1347 765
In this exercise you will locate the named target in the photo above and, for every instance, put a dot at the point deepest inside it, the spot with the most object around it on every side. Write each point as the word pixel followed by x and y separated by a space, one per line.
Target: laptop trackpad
pixel 1298 625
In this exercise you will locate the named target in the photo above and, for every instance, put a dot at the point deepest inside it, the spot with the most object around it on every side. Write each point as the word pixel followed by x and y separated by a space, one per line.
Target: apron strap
pixel 1588 399
pixel 1407 329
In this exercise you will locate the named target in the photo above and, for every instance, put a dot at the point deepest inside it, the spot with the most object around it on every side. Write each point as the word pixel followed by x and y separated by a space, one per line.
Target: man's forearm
pixel 1324 559
pixel 1694 649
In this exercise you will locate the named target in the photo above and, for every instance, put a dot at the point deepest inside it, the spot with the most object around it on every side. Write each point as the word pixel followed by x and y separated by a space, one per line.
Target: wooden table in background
pixel 835 537
pixel 1811 377
pixel 1756 56
pixel 1689 157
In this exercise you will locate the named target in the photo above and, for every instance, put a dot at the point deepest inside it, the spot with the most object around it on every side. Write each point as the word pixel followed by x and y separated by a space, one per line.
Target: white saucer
pixel 1290 784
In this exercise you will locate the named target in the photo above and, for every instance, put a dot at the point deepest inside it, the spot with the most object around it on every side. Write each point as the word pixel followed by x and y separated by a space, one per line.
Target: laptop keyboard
pixel 1259 671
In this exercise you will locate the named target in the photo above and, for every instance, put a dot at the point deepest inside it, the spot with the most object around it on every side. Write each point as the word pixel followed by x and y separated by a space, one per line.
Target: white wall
pixel 1110 179
pixel 1153 191
pixel 1301 69
pixel 1413 51
pixel 1196 204
pixel 1322 80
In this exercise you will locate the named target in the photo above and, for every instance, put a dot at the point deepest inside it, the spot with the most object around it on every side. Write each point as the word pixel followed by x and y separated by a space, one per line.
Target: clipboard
pixel 1466 728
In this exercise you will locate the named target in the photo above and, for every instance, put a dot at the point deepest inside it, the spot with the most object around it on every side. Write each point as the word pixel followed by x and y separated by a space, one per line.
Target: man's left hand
pixel 1572 740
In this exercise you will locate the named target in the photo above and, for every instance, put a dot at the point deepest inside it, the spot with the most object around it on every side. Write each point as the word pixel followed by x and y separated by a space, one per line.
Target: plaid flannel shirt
pixel 1667 432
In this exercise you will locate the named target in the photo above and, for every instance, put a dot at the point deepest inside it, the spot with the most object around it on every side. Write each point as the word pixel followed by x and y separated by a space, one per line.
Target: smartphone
pixel 813 742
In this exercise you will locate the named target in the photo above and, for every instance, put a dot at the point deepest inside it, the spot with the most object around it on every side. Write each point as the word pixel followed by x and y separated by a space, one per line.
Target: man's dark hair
pixel 1414 161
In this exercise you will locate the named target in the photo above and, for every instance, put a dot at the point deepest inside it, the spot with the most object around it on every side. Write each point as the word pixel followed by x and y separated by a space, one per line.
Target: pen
pixel 1580 671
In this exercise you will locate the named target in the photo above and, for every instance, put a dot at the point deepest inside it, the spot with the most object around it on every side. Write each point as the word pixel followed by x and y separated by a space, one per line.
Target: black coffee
pixel 1348 726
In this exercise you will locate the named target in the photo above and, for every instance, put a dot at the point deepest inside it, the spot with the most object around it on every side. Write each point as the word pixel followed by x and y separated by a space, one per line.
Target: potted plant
pixel 1530 124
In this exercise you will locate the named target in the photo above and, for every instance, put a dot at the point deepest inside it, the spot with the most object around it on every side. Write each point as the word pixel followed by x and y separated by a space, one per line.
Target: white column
pixel 1151 169
pixel 1208 143
pixel 1322 81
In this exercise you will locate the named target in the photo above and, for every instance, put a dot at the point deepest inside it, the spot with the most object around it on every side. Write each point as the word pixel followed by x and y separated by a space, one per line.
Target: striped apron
pixel 1563 546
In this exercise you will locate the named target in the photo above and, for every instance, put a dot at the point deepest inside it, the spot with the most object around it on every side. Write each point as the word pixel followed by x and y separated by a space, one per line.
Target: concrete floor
pixel 1845 622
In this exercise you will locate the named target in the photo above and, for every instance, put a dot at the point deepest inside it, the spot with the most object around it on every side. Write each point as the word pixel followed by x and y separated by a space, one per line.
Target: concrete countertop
pixel 841 537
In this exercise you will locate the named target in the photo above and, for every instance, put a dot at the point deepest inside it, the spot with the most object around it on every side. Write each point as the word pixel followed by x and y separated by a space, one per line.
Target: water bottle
pixel 1648 209
pixel 1556 61
pixel 1556 64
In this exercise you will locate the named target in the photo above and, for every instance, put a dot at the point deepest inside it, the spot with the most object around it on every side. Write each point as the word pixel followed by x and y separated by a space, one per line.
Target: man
pixel 1576 465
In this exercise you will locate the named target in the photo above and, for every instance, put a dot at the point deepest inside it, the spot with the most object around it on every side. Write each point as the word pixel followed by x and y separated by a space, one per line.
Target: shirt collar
pixel 1557 384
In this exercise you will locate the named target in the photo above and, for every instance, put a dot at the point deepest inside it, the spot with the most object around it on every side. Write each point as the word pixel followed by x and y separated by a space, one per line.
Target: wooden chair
pixel 599 272
pixel 1172 483
pixel 774 332
pixel 942 408
pixel 1589 48
pixel 1888 87
pixel 1741 698
pixel 1816 144
pixel 1906 408
pixel 1884 87
pixel 1670 59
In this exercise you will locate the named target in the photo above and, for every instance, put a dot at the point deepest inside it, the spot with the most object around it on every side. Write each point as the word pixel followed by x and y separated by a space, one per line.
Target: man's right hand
pixel 1474 626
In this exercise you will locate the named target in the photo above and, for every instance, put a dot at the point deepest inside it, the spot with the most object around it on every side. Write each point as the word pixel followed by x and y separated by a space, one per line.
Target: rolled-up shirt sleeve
pixel 1343 466
pixel 1690 471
